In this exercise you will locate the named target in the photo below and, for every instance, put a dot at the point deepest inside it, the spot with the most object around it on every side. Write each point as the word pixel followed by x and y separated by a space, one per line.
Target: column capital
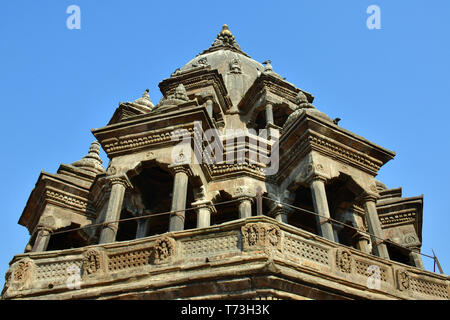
pixel 120 179
pixel 185 168
pixel 204 204
pixel 369 197
pixel 316 177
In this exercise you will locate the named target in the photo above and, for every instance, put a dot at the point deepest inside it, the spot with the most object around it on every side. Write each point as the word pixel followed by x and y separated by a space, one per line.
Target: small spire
pixel 225 31
pixel 145 100
pixel 180 93
pixel 92 162
pixel 225 39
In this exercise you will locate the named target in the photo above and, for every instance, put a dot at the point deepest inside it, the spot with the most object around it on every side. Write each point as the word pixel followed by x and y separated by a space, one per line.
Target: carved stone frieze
pixel 261 236
pixel 403 280
pixel 163 250
pixel 23 271
pixel 344 260
pixel 93 262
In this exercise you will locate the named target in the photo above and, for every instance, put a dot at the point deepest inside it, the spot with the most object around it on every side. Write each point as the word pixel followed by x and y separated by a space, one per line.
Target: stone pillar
pixel 281 213
pixel 118 186
pixel 42 239
pixel 320 203
pixel 363 241
pixel 416 259
pixel 142 227
pixel 269 114
pixel 204 210
pixel 245 208
pixel 180 186
pixel 374 225
pixel 209 108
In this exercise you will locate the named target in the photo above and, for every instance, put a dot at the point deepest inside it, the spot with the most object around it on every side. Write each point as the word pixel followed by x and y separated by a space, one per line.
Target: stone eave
pixel 54 189
pixel 268 87
pixel 311 133
pixel 198 78
pixel 148 130
pixel 396 207
pixel 125 111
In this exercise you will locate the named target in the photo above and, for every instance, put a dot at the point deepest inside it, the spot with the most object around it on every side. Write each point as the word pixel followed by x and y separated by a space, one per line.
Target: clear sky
pixel 389 85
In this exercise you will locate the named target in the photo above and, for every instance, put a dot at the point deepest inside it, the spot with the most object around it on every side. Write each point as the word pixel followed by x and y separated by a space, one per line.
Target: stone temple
pixel 233 186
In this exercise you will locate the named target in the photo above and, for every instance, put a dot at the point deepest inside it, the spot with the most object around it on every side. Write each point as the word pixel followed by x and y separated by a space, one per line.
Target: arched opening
pixel 154 185
pixel 225 212
pixel 341 195
pixel 301 219
pixel 280 114
pixel 66 240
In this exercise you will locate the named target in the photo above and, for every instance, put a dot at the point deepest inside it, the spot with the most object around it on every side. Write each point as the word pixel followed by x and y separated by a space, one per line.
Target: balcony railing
pixel 241 247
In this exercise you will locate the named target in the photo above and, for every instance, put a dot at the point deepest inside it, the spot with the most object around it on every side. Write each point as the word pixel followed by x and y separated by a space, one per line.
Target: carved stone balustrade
pixel 245 258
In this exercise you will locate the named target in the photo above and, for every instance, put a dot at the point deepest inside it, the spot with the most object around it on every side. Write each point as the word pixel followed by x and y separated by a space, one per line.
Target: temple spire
pixel 225 40
pixel 92 162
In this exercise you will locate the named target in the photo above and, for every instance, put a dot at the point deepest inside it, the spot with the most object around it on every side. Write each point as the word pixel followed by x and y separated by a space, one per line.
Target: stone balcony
pixel 253 258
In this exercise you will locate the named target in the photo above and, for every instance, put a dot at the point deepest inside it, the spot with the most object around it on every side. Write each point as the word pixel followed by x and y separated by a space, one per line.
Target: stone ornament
pixel 261 236
pixel 23 271
pixel 312 169
pixel 344 260
pixel 403 280
pixel 92 262
pixel 163 250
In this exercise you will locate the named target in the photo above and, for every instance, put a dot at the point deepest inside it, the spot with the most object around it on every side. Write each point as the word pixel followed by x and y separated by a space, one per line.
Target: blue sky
pixel 390 86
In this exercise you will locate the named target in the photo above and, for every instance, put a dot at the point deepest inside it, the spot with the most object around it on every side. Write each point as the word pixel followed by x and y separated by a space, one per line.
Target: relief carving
pixel 261 236
pixel 163 250
pixel 403 280
pixel 344 260
pixel 92 262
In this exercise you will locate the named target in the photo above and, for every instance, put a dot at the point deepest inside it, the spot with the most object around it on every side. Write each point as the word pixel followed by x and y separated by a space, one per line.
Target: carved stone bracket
pixel 344 260
pixel 163 250
pixel 403 280
pixel 261 236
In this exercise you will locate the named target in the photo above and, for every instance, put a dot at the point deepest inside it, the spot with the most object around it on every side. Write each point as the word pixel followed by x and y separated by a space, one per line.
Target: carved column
pixel 209 108
pixel 245 208
pixel 204 210
pixel 269 114
pixel 180 186
pixel 320 203
pixel 42 239
pixel 416 259
pixel 374 225
pixel 363 241
pixel 142 227
pixel 118 186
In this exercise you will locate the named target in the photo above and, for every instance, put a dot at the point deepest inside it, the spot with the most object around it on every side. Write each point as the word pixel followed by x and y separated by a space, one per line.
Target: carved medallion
pixel 261 236
pixel 344 260
pixel 403 280
pixel 163 250
pixel 23 271
pixel 92 262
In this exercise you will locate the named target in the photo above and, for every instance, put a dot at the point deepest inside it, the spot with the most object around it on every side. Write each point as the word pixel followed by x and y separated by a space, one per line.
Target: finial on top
pixel 226 31
pixel 92 162
pixel 225 39
pixel 145 100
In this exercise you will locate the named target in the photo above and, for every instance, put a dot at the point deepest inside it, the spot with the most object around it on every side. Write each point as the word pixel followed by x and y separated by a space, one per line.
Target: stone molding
pixel 344 261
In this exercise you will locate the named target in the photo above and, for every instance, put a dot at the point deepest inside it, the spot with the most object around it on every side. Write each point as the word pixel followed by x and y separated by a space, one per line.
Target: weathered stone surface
pixel 171 219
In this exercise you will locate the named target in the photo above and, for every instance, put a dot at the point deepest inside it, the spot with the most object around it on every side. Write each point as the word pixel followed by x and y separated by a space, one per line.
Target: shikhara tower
pixel 203 235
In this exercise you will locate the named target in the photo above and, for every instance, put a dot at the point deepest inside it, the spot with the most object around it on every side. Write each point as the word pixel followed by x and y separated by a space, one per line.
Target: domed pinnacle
pixel 225 31
pixel 225 39
pixel 92 162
